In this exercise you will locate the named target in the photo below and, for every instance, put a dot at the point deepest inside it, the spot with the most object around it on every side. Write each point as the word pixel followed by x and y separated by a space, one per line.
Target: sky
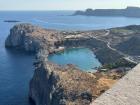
pixel 65 4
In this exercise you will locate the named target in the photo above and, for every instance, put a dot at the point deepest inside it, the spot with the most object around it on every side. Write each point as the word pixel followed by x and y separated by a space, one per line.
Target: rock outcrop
pixel 54 85
pixel 31 38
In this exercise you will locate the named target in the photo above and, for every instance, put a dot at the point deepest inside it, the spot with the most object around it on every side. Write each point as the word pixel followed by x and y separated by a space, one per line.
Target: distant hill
pixel 127 12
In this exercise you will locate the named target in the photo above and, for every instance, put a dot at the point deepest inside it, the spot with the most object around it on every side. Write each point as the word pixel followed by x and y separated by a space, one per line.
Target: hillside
pixel 127 12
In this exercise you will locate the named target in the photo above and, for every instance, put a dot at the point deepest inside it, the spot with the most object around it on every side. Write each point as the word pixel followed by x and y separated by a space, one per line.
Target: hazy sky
pixel 64 4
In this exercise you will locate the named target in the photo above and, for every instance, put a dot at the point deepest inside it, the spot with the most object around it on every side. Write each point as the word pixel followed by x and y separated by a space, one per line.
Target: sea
pixel 16 67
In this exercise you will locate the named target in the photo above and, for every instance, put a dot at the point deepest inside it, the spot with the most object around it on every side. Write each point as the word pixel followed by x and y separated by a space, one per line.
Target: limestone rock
pixel 31 38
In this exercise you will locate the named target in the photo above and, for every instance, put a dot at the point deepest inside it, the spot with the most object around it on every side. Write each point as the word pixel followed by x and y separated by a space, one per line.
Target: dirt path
pixel 126 57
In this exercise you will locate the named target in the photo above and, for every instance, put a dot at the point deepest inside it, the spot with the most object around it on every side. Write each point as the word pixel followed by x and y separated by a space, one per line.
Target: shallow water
pixel 83 58
pixel 16 67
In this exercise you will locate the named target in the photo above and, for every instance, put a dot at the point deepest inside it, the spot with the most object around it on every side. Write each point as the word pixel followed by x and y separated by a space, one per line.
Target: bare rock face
pixel 52 85
pixel 56 85
pixel 31 38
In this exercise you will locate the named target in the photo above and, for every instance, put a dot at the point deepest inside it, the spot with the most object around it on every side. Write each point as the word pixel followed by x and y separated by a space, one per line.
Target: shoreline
pixel 49 77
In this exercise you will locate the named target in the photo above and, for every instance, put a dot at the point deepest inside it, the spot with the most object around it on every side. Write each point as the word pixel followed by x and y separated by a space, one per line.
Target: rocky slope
pixel 56 85
pixel 130 46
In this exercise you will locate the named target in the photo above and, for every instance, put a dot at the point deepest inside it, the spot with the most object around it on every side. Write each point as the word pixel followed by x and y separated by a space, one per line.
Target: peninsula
pixel 127 12
pixel 53 84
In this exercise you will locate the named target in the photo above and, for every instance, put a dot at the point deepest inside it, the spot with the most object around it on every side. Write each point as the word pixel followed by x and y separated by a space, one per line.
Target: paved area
pixel 125 92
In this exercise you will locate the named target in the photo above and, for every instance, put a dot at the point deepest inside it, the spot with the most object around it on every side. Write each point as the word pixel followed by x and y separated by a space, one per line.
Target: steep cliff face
pixel 31 38
pixel 42 85
pixel 54 85
pixel 19 37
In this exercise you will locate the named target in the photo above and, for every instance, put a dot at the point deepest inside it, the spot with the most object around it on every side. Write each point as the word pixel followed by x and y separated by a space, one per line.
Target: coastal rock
pixel 31 38
pixel 56 85
pixel 52 85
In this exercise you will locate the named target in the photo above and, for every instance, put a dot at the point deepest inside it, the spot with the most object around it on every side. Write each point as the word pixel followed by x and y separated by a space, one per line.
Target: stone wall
pixel 125 92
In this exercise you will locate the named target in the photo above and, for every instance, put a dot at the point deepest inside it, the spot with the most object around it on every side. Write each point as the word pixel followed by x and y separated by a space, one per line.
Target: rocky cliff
pixel 31 38
pixel 53 84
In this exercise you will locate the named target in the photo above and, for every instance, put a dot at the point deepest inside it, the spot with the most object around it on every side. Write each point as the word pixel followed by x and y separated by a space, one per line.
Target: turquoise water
pixel 83 58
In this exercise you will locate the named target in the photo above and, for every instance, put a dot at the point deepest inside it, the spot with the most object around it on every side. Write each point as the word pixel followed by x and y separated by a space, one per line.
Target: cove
pixel 83 58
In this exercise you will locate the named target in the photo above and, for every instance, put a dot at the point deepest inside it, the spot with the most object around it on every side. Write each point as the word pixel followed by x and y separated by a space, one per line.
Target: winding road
pixel 126 56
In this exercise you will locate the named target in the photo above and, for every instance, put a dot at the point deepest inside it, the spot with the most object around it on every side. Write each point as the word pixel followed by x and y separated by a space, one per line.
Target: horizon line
pixel 64 9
